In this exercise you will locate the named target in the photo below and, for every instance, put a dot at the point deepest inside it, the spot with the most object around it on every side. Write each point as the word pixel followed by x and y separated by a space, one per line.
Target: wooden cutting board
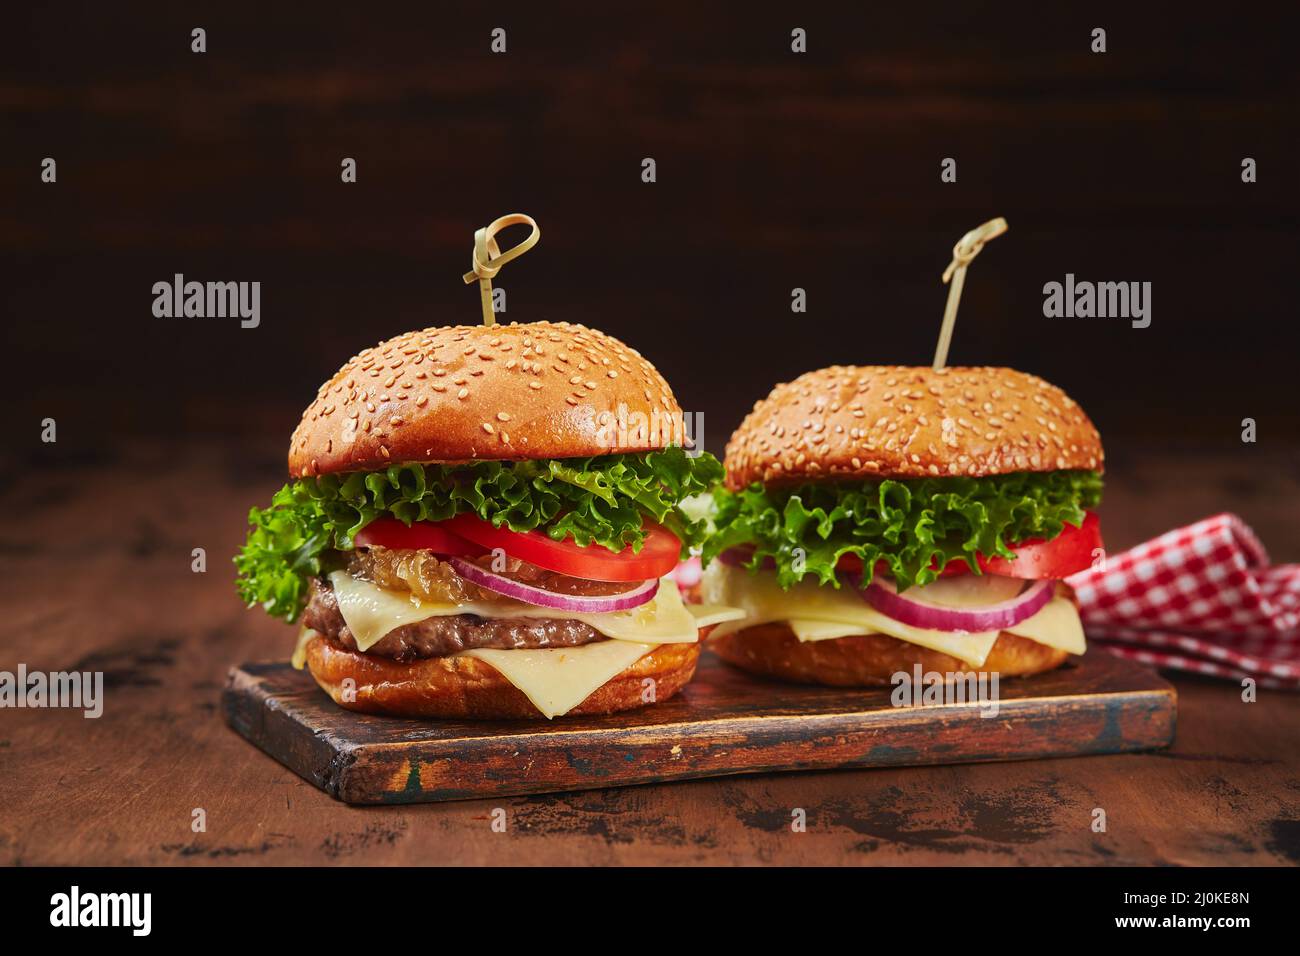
pixel 724 722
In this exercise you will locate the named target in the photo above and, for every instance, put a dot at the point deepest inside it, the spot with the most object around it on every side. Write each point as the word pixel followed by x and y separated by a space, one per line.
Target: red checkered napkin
pixel 1201 598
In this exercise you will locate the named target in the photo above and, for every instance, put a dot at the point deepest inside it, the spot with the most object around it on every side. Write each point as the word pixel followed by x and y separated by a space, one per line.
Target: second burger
pixel 877 519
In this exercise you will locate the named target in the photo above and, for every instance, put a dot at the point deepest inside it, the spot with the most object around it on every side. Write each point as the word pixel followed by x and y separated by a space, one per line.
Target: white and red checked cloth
pixel 1201 598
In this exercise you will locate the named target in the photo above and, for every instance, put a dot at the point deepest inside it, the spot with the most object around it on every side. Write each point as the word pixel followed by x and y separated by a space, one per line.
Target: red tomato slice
pixel 1070 551
pixel 658 555
pixel 1036 559
pixel 419 536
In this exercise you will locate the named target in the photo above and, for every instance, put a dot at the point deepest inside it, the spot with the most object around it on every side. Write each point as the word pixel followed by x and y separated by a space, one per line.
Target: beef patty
pixel 443 636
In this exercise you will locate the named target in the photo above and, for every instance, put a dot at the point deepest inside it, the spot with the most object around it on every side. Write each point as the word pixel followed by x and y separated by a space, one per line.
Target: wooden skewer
pixel 488 258
pixel 967 248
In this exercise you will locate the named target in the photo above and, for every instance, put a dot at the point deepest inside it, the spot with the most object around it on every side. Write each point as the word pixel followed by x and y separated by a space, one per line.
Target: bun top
pixel 871 421
pixel 465 392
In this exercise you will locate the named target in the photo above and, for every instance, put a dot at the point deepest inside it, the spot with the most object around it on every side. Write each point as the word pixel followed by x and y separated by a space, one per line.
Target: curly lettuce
pixel 915 527
pixel 599 501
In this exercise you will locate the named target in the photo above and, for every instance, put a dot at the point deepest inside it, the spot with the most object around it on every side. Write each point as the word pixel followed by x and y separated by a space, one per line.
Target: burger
pixel 878 518
pixel 478 524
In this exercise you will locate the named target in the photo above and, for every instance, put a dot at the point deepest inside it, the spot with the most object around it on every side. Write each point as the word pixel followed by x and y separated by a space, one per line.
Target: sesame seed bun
pixel 869 660
pixel 509 392
pixel 468 688
pixel 871 421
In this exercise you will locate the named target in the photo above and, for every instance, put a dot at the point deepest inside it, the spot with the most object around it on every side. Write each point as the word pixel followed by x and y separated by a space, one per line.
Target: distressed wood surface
pixel 723 723
pixel 96 551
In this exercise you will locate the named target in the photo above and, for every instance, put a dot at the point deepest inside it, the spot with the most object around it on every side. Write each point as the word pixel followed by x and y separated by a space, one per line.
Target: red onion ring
pixel 640 594
pixel 884 597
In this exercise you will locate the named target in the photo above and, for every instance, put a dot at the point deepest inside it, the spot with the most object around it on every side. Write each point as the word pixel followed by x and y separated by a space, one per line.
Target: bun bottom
pixel 869 660
pixel 468 688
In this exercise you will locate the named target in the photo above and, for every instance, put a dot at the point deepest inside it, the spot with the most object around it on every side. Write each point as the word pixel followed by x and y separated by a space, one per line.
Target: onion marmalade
pixel 431 579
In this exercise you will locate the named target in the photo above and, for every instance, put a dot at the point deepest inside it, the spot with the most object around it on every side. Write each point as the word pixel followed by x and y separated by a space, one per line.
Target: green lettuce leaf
pixel 907 524
pixel 595 501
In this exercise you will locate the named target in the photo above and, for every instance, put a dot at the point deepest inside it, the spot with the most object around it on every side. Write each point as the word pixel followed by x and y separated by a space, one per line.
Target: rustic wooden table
pixel 97 576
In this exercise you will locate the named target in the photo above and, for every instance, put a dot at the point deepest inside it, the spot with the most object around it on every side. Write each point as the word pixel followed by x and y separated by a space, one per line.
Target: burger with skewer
pixel 877 519
pixel 479 522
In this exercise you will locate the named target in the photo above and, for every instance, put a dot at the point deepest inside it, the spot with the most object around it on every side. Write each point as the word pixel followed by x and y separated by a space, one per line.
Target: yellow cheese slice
pixel 822 630
pixel 1056 625
pixel 970 647
pixel 558 679
pixel 707 614
pixel 299 657
pixel 371 612
pixel 816 612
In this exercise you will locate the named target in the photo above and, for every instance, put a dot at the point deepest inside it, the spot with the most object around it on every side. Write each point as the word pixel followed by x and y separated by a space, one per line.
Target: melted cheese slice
pixel 819 613
pixel 560 678
pixel 1056 625
pixel 299 658
pixel 707 614
pixel 371 612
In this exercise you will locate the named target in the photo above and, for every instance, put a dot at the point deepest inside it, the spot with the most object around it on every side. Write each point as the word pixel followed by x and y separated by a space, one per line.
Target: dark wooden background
pixel 775 171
